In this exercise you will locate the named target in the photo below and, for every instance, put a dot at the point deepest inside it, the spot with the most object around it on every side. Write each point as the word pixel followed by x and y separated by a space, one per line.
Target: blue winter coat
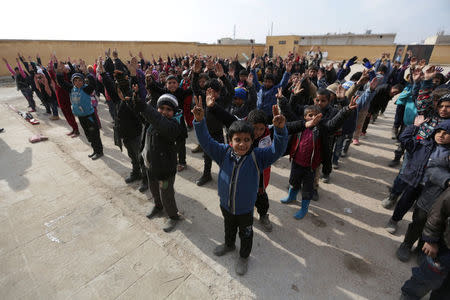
pixel 406 98
pixel 238 181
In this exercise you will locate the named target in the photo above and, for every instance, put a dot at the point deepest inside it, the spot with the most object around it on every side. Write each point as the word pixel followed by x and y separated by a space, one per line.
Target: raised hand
pixel 108 52
pixel 340 92
pixel 298 88
pixel 100 65
pixel 210 97
pixel 352 105
pixel 250 80
pixel 289 66
pixel 364 78
pixel 439 69
pixel 4 59
pixel 198 111
pixel 140 55
pixel 419 120
pixel 135 88
pixel 197 66
pixel 279 95
pixel 253 63
pixel 218 69
pixel 314 121
pixel 417 74
pixel 278 120
pixel 133 66
pixel 430 72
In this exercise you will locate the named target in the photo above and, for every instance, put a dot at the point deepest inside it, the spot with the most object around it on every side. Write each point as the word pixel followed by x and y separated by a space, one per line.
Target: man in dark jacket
pixel 433 273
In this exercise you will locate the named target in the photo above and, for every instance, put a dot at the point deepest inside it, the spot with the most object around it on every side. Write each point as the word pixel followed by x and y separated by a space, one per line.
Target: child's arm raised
pixel 211 147
pixel 267 156
pixel 218 111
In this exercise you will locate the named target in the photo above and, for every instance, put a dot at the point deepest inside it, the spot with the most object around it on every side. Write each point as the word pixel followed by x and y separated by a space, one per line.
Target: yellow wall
pixel 90 50
pixel 440 55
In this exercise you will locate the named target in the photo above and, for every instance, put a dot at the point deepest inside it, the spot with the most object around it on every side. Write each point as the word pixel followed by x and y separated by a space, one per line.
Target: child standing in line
pixel 239 176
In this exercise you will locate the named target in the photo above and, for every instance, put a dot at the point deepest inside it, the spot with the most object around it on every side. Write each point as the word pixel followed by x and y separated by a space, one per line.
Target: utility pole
pixel 271 29
pixel 234 32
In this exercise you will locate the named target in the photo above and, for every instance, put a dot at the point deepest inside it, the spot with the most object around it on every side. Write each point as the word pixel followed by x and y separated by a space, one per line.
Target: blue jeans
pixel 430 277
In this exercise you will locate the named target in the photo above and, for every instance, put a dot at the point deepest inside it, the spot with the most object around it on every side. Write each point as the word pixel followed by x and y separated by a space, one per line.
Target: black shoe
pixel 154 212
pixel 204 180
pixel 394 163
pixel 97 156
pixel 133 177
pixel 403 252
pixel 223 249
pixel 1 129
pixel 315 196
pixel 143 187
pixel 171 223
pixel 197 149
pixel 92 154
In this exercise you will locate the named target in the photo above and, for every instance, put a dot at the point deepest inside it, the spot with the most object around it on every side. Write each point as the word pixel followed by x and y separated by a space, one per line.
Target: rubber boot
pixel 292 196
pixel 303 211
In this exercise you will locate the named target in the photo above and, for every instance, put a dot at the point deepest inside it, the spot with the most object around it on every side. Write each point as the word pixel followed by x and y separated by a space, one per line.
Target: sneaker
pixel 31 110
pixel 223 249
pixel 197 149
pixel 326 179
pixel 133 177
pixel 204 180
pixel 394 163
pixel 315 196
pixel 143 187
pixel 242 266
pixel 390 201
pixel 344 153
pixel 403 252
pixel 54 118
pixel 181 167
pixel 70 133
pixel 394 133
pixel 391 226
pixel 91 155
pixel 154 212
pixel 1 129
pixel 336 165
pixel 97 156
pixel 363 135
pixel 355 142
pixel 75 134
pixel 171 223
pixel 264 220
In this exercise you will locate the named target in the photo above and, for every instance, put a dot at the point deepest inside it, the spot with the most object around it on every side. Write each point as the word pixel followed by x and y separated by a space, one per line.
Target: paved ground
pixel 71 228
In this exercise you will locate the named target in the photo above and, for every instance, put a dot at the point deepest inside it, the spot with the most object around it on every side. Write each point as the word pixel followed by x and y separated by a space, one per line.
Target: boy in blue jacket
pixel 239 175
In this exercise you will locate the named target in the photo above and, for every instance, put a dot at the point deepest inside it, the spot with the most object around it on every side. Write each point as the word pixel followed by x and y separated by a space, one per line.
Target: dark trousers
pixel 181 150
pixel 112 109
pixel 28 94
pixel 327 166
pixel 342 143
pixel 206 159
pixel 430 277
pixel 399 112
pixel 164 194
pixel 406 201
pixel 133 145
pixel 244 223
pixel 302 178
pixel 366 123
pixel 262 203
pixel 51 107
pixel 415 228
pixel 399 186
pixel 92 131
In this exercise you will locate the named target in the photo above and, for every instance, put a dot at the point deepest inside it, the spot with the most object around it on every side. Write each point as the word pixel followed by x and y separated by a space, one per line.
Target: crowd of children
pixel 268 107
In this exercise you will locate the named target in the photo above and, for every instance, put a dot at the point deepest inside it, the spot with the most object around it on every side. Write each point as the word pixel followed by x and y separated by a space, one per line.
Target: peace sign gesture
pixel 353 103
pixel 278 120
pixel 198 109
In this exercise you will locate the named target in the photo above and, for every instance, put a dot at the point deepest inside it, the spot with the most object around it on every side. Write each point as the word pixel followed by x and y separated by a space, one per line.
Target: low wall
pixel 440 55
pixel 90 50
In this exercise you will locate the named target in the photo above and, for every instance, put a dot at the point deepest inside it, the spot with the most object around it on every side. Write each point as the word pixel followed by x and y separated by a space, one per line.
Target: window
pixel 295 42
pixel 282 42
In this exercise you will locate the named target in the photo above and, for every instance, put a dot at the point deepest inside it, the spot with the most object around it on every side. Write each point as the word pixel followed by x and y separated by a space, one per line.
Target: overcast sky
pixel 207 21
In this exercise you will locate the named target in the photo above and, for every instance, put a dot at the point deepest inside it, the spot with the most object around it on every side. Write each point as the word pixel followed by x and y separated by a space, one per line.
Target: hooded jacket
pixel 238 181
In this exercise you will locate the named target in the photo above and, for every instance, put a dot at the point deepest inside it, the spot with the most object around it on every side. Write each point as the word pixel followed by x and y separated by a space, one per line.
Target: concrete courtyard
pixel 70 228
